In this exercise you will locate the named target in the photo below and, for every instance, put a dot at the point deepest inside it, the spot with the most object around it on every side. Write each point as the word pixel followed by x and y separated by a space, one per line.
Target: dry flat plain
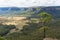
pixel 19 22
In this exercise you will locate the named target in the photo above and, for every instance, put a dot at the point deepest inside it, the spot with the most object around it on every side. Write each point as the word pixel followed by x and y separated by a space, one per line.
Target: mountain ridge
pixel 54 10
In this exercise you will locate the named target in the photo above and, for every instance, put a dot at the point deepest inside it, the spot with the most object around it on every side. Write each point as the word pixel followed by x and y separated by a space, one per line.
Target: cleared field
pixel 19 22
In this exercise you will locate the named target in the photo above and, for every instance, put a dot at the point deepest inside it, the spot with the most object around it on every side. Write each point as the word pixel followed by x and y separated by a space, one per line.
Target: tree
pixel 44 18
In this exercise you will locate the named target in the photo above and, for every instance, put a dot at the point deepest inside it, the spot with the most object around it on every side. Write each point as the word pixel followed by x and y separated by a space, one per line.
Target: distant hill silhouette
pixel 54 10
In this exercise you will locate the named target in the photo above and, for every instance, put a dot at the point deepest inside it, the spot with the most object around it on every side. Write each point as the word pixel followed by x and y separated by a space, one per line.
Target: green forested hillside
pixel 33 32
pixel 44 27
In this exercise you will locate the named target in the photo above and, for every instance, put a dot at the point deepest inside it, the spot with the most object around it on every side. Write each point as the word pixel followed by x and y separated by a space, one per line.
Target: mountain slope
pixel 16 11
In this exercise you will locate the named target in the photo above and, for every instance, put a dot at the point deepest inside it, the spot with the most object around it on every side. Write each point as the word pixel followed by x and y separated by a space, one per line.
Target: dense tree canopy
pixel 44 17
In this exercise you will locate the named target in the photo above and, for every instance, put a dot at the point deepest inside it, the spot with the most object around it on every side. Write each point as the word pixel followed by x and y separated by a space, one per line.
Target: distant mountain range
pixel 16 11
pixel 55 11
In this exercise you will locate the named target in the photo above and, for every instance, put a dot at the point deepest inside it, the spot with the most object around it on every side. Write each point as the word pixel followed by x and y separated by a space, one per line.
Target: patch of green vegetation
pixel 5 29
pixel 1 38
pixel 35 31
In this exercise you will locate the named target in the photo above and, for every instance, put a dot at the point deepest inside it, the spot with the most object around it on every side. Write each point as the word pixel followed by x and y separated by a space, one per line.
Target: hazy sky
pixel 29 3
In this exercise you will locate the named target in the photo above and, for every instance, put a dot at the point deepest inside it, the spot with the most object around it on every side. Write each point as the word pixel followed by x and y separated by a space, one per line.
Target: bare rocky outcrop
pixel 50 39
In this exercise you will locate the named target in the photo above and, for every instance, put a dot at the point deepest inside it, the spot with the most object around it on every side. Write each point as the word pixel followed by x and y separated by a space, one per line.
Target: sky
pixel 28 3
